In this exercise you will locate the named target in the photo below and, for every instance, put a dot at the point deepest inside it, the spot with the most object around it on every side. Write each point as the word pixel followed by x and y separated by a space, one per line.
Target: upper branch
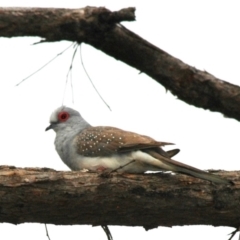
pixel 151 200
pixel 100 28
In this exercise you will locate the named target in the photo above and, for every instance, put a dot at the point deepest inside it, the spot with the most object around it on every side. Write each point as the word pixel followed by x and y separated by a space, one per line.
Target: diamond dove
pixel 82 146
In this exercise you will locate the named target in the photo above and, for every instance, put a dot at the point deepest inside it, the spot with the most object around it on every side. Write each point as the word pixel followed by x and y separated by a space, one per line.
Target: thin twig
pixel 91 80
pixel 43 66
pixel 70 72
pixel 71 81
pixel 47 231
pixel 107 173
pixel 107 231
pixel 115 170
pixel 234 233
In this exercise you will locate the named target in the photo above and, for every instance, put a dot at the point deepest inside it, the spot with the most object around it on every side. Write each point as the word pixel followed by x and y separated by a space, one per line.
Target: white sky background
pixel 203 34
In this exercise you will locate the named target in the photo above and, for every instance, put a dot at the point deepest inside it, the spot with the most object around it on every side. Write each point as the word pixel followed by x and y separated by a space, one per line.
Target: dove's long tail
pixel 167 164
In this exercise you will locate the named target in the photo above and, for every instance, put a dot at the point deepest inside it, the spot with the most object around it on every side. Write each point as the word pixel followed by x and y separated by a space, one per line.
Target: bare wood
pixel 48 196
pixel 99 27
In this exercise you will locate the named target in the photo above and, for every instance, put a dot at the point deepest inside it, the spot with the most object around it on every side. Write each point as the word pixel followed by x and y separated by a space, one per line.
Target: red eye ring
pixel 63 116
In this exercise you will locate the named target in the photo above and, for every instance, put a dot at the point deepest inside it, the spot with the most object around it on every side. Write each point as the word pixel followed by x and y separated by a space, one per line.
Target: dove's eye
pixel 63 116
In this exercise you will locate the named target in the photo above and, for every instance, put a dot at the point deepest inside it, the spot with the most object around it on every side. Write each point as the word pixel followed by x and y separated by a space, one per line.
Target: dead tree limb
pixel 101 28
pixel 148 200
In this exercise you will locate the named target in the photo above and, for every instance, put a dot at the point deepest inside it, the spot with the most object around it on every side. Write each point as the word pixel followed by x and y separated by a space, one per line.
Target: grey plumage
pixel 82 146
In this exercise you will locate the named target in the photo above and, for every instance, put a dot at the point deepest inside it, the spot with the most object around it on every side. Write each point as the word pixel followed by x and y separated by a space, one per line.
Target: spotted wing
pixel 104 141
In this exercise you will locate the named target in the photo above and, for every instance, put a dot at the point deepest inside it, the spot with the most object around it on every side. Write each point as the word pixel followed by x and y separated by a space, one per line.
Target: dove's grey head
pixel 65 118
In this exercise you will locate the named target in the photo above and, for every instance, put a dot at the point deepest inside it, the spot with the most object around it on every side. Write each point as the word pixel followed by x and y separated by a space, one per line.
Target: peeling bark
pixel 148 200
pixel 101 28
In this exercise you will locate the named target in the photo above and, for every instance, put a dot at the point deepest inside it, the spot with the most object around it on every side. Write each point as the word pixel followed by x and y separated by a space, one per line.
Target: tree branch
pixel 148 200
pixel 100 28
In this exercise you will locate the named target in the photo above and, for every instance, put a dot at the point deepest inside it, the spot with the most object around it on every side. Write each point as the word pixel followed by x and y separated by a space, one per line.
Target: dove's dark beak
pixel 49 127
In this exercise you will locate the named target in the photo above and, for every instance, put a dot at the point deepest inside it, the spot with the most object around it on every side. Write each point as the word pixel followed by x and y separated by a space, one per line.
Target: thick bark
pixel 48 196
pixel 99 27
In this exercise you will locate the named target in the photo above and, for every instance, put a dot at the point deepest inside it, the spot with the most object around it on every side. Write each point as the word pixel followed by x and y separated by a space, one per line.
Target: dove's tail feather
pixel 175 166
pixel 172 153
